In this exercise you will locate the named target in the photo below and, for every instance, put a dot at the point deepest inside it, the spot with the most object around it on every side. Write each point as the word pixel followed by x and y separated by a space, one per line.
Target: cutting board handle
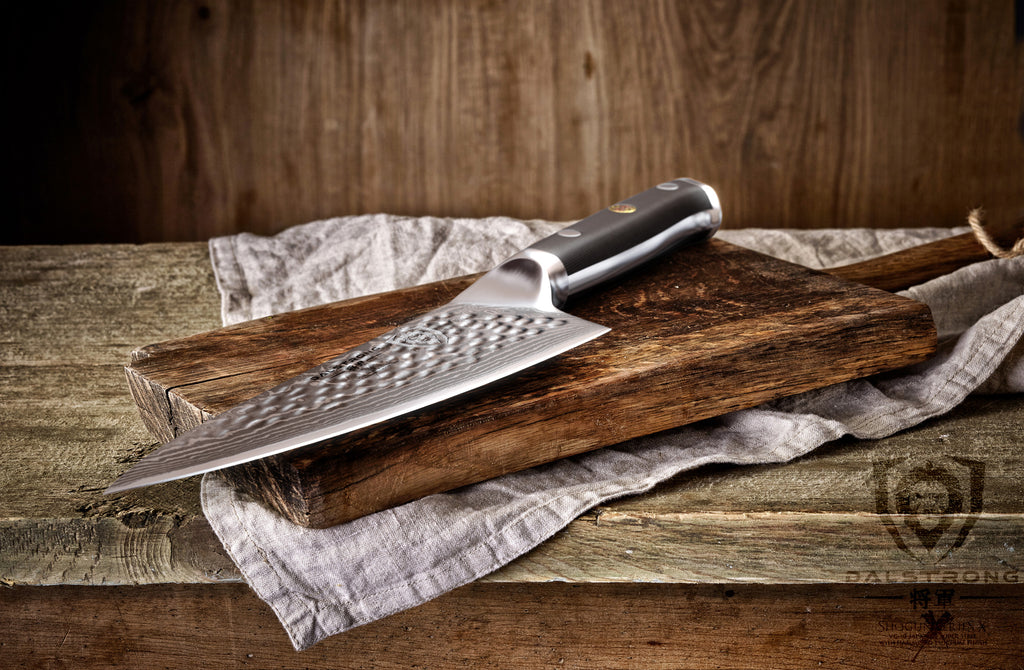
pixel 903 269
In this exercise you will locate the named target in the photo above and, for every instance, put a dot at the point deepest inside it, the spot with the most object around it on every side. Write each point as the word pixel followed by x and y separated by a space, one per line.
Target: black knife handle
pixel 633 231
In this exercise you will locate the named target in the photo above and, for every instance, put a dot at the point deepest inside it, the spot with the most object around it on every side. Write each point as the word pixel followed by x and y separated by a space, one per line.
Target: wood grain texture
pixel 909 267
pixel 70 319
pixel 706 331
pixel 655 626
pixel 791 550
pixel 69 316
pixel 185 120
pixel 69 425
pixel 684 531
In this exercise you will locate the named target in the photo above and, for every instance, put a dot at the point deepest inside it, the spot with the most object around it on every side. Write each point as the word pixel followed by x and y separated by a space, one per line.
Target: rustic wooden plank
pixel 763 547
pixel 68 423
pixel 88 304
pixel 682 337
pixel 231 115
pixel 104 547
pixel 91 541
pixel 818 496
pixel 516 626
pixel 70 318
pixel 751 523
pixel 67 431
pixel 838 476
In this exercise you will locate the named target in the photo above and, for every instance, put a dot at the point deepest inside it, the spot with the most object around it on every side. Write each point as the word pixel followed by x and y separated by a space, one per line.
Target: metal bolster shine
pixel 532 278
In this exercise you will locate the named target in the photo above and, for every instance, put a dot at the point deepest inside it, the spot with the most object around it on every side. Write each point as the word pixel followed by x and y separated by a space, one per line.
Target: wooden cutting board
pixel 701 332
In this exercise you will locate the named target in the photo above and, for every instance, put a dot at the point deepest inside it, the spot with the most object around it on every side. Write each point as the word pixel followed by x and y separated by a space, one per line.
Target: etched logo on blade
pixel 359 363
pixel 373 362
pixel 419 337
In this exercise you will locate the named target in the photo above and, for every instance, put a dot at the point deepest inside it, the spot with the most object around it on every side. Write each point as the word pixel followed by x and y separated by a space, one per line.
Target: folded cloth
pixel 323 582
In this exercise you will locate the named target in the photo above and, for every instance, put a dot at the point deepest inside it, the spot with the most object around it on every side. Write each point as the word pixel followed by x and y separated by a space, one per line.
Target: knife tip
pixel 115 488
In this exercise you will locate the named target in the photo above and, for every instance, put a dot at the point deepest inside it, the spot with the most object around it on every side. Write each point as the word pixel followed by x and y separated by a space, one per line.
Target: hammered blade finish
pixel 444 353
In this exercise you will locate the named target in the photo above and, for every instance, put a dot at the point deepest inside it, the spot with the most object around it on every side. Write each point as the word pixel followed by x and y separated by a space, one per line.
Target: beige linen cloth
pixel 323 582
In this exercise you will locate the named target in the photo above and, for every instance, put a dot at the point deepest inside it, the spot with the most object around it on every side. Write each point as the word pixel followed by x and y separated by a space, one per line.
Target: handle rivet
pixel 569 232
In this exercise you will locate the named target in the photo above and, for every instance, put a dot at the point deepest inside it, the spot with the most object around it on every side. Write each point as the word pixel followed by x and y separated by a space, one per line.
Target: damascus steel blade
pixel 508 320
pixel 435 357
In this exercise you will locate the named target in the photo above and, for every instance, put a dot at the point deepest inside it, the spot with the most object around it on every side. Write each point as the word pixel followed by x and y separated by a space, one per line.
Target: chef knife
pixel 508 320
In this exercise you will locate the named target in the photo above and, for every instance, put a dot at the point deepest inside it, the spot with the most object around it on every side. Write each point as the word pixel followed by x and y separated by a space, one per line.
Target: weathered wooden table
pixel 796 565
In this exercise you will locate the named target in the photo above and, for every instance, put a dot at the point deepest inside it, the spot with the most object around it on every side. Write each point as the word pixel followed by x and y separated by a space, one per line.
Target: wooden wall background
pixel 181 120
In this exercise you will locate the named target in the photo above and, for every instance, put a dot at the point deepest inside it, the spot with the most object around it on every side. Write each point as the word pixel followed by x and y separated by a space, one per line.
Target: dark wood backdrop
pixel 181 120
